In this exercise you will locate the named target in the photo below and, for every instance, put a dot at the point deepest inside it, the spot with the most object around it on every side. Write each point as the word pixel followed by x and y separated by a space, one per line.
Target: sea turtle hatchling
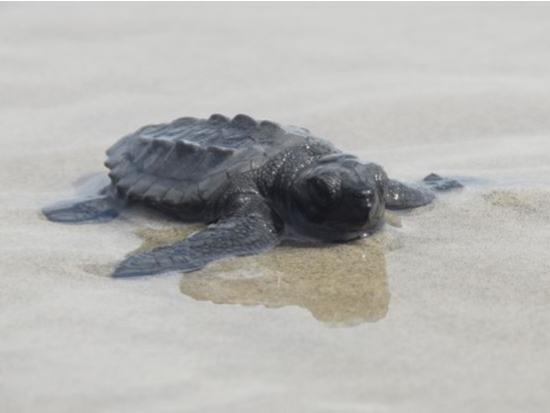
pixel 254 184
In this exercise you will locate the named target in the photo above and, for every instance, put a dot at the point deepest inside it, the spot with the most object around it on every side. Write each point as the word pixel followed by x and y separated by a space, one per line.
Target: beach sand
pixel 446 311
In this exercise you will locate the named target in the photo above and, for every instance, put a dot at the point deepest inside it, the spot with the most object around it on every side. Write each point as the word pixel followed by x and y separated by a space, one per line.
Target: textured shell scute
pixel 185 162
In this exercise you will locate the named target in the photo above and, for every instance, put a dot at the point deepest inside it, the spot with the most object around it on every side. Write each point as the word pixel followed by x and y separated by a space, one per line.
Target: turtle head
pixel 337 199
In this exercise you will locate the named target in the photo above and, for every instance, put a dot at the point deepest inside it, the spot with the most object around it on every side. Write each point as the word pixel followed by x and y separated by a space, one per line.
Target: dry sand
pixel 448 313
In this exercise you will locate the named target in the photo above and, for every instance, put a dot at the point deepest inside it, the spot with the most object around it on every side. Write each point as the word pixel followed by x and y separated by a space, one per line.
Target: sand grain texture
pixel 463 317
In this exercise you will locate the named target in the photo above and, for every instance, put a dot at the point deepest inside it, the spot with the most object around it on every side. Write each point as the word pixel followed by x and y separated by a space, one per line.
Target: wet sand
pixel 340 285
pixel 447 311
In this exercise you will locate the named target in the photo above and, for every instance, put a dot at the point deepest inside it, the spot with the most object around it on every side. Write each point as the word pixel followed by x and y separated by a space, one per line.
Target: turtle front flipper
pixel 101 208
pixel 402 196
pixel 441 184
pixel 237 235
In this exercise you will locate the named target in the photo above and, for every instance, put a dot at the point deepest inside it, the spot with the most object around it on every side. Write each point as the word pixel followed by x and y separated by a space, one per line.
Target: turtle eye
pixel 322 190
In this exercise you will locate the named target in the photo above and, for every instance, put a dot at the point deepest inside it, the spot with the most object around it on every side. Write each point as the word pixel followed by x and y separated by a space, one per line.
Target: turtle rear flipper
pixel 239 235
pixel 102 208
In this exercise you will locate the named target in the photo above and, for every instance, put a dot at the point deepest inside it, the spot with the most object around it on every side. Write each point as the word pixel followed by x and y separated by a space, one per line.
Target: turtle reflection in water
pixel 253 183
pixel 340 285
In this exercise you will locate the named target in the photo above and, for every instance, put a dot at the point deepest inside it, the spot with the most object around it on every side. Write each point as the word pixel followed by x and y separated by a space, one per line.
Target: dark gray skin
pixel 253 183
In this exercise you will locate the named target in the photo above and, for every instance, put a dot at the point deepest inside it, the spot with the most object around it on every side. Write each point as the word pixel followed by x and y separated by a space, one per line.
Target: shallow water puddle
pixel 340 285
